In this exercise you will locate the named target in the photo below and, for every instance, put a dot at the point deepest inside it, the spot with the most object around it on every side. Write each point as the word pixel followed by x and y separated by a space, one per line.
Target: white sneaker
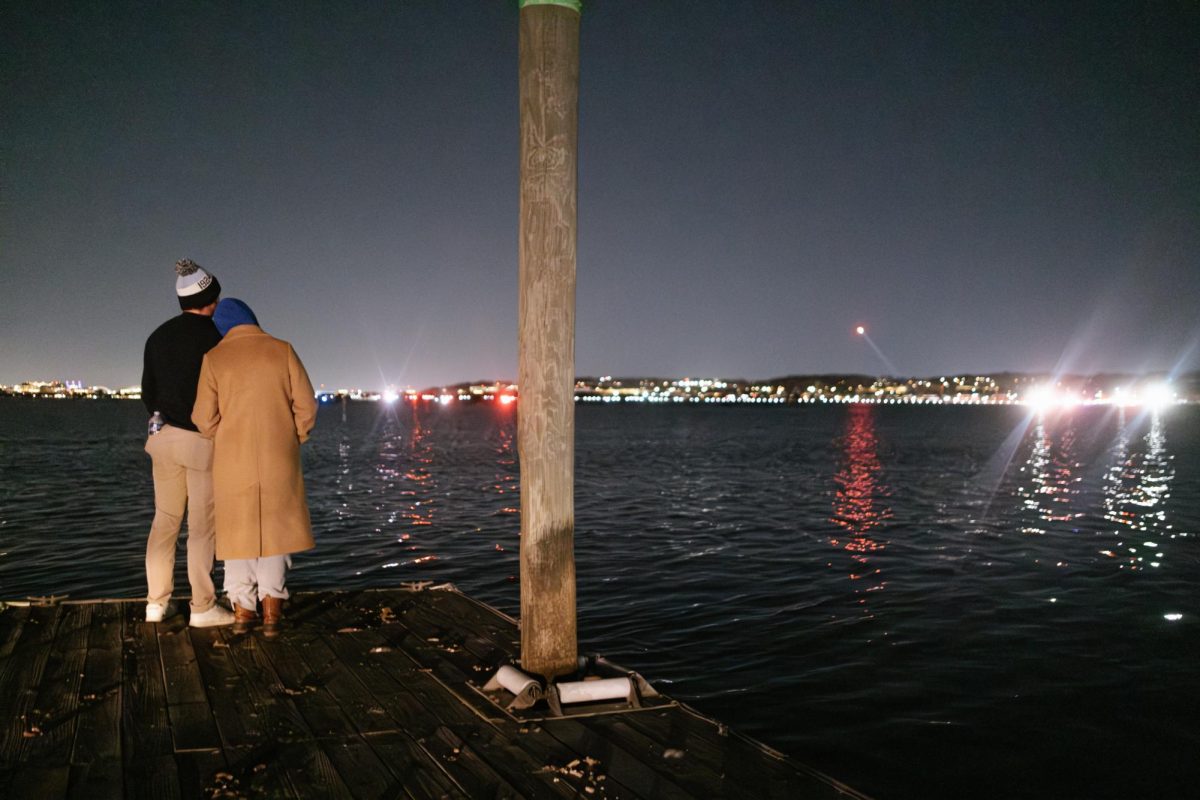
pixel 214 617
pixel 157 612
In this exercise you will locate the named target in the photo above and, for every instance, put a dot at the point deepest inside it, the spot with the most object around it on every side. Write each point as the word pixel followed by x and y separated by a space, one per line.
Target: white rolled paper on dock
pixel 516 681
pixel 593 691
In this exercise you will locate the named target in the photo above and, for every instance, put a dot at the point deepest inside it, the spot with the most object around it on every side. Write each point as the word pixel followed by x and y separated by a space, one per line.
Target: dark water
pixel 922 602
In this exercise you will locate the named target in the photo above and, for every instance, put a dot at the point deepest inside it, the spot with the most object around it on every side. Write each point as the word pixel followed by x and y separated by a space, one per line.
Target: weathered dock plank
pixel 96 751
pixel 150 769
pixel 365 694
pixel 236 711
pixel 21 673
pixel 10 633
pixel 393 689
pixel 51 722
pixel 253 695
pixel 192 724
pixel 466 746
pixel 20 680
pixel 37 782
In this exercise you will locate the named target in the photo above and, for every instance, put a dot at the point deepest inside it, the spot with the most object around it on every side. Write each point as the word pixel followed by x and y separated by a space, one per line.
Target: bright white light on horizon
pixel 1158 395
pixel 1045 397
pixel 1041 398
pixel 390 396
pixel 1172 617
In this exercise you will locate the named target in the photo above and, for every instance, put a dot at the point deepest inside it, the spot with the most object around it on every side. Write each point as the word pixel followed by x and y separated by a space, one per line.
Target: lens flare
pixel 1041 398
pixel 1160 395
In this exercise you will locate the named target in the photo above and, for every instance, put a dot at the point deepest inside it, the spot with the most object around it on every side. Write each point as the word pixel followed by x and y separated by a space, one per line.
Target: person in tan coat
pixel 255 401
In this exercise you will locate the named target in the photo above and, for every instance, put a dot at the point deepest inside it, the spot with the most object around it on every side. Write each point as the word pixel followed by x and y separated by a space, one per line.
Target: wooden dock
pixel 366 694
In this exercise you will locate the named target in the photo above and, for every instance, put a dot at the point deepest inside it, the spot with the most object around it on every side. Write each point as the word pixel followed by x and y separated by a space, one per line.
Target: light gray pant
pixel 247 580
pixel 182 481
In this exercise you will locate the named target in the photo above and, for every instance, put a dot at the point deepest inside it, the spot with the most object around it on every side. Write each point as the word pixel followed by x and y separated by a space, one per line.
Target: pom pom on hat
pixel 232 312
pixel 195 287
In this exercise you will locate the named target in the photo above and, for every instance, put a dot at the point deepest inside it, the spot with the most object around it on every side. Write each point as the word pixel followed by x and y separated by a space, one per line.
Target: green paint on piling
pixel 574 5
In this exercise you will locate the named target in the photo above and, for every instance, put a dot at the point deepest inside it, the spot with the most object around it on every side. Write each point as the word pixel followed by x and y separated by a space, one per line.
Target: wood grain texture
pixel 51 723
pixel 20 677
pixel 188 705
pixel 147 752
pixel 549 100
pixel 365 694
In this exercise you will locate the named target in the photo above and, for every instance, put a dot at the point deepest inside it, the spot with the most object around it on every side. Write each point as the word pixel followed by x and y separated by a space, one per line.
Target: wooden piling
pixel 549 92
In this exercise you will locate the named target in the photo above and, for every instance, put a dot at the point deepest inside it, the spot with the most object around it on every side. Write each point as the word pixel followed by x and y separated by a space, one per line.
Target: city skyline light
pixel 1041 393
pixel 985 188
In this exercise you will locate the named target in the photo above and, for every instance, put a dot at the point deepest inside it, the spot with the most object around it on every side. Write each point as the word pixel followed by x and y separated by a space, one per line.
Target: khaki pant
pixel 248 580
pixel 182 481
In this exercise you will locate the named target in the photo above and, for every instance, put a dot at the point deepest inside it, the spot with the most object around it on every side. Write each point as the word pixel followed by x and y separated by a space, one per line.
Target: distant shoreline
pixel 1008 388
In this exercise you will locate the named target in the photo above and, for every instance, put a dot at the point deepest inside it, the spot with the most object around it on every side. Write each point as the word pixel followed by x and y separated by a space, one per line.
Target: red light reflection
pixel 858 503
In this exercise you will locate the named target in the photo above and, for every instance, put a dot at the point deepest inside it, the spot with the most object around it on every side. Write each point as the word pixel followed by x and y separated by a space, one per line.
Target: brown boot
pixel 243 618
pixel 272 614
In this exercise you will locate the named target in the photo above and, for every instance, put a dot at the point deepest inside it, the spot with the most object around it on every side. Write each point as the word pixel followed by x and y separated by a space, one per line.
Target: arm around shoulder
pixel 206 413
pixel 304 401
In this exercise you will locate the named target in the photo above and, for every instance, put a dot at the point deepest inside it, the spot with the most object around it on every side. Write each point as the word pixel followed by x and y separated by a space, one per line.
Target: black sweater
pixel 171 366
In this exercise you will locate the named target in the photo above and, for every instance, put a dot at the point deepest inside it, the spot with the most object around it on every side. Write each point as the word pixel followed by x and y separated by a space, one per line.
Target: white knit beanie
pixel 195 287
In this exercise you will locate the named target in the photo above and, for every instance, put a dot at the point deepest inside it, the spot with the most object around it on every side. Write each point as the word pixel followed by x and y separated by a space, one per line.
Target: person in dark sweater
pixel 182 458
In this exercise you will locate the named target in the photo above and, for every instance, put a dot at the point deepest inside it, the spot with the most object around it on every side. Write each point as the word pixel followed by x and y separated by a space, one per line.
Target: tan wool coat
pixel 255 401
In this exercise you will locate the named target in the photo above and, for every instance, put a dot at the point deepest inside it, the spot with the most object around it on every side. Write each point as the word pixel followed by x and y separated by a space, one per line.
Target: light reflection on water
pixel 854 585
pixel 1051 490
pixel 859 502
pixel 1137 490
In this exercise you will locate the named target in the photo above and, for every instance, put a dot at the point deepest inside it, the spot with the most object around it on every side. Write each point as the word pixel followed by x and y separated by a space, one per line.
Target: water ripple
pixel 1006 600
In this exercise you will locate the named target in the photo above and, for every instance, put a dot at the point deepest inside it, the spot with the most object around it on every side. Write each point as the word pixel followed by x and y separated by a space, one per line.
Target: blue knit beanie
pixel 232 312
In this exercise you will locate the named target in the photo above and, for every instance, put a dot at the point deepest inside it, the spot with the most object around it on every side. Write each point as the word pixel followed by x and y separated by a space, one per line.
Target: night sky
pixel 985 186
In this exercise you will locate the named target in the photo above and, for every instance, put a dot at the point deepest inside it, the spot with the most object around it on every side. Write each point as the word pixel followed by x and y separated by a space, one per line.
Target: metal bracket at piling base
pixel 631 689
pixel 525 689
pixel 599 687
